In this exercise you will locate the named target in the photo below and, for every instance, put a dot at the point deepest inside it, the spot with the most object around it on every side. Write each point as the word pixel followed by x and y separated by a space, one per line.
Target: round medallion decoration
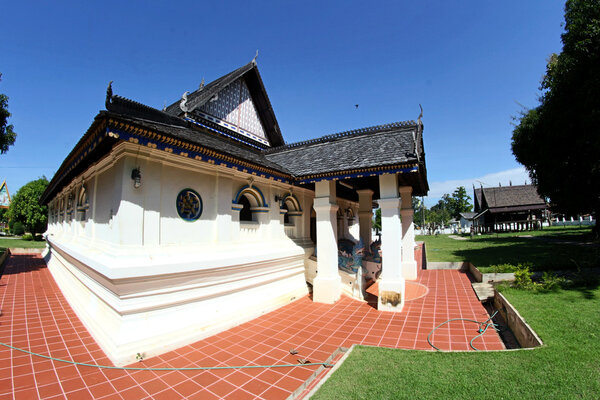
pixel 189 205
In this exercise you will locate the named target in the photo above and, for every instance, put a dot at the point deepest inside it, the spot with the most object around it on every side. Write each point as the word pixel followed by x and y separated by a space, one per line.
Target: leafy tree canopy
pixel 558 142
pixel 25 206
pixel 7 134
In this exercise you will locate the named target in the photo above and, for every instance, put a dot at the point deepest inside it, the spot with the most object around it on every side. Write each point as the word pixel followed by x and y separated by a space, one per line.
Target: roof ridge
pixel 120 105
pixel 344 134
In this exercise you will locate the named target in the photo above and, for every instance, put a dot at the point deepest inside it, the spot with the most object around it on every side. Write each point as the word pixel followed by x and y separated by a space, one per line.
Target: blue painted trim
pixel 239 193
pixel 360 174
pixel 223 133
pixel 192 154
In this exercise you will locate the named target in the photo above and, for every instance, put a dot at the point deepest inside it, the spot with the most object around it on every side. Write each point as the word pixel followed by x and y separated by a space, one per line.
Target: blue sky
pixel 471 64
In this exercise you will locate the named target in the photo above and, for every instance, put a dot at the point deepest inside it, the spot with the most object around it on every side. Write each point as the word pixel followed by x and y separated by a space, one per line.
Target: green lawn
pixel 567 320
pixel 543 251
pixel 7 243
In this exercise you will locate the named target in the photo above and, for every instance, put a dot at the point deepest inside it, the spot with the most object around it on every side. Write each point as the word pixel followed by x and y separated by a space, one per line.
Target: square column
pixel 224 219
pixel 409 264
pixel 365 215
pixel 327 285
pixel 392 284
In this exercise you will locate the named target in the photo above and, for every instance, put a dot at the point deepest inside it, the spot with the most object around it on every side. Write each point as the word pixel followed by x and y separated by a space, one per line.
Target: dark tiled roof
pixel 377 147
pixel 511 196
pixel 257 90
pixel 204 139
pixel 121 105
pixel 381 145
pixel 478 203
pixel 199 97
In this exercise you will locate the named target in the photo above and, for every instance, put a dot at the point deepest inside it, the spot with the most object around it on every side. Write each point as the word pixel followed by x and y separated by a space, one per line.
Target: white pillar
pixel 235 221
pixel 409 265
pixel 327 283
pixel 392 284
pixel 223 209
pixel 344 233
pixel 365 215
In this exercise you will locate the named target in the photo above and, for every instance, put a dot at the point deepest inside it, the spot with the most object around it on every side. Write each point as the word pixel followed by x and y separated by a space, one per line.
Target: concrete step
pixel 483 290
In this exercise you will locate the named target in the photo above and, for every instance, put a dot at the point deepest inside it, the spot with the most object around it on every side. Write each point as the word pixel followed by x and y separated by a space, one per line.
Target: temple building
pixel 168 226
pixel 508 208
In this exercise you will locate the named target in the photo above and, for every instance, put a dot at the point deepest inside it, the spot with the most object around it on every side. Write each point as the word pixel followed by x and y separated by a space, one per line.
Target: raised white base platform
pixel 153 304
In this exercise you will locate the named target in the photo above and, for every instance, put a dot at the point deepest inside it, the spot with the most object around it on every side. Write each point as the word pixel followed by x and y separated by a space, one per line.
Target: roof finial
pixel 183 102
pixel 420 116
pixel 109 94
pixel 255 57
pixel 164 105
pixel 201 84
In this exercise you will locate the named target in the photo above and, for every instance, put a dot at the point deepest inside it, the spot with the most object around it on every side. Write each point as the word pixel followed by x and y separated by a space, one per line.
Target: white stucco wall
pixel 133 258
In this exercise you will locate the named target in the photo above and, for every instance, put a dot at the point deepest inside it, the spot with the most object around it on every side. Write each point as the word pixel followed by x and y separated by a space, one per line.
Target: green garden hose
pixel 164 368
pixel 481 329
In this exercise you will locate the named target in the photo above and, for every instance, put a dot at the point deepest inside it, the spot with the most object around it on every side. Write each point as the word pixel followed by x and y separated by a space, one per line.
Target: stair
pixel 483 290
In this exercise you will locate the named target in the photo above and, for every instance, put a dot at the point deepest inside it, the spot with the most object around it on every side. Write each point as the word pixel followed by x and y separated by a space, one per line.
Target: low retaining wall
pixel 489 277
pixel 523 333
pixel 462 265
pixel 3 258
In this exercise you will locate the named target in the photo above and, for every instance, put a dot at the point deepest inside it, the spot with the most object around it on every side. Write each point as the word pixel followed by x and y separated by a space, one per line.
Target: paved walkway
pixel 36 316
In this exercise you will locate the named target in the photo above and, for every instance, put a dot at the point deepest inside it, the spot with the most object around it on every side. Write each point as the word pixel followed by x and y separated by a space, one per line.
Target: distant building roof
pixel 468 215
pixel 508 199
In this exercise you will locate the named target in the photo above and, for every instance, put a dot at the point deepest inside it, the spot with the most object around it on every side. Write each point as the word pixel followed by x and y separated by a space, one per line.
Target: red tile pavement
pixel 36 316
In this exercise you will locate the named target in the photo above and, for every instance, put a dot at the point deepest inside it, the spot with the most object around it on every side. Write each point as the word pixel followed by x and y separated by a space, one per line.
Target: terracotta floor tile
pixel 40 319
pixel 101 390
pixel 25 394
pixel 222 388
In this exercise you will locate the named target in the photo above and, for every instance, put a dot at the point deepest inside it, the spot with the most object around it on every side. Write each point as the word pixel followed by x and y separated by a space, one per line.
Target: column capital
pixel 324 203
pixel 364 191
pixel 405 190
pixel 389 203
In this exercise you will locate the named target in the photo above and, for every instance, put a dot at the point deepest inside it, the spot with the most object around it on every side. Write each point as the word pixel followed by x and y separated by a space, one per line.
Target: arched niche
pixel 83 203
pixel 290 207
pixel 249 201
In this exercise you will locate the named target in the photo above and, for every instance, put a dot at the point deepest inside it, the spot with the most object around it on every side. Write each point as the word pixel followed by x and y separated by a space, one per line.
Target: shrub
pixel 523 277
pixel 18 228
pixel 27 236
pixel 551 282
pixel 38 238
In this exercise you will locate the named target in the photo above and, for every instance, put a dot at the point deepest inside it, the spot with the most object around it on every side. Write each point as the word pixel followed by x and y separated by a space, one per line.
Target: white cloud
pixel 517 176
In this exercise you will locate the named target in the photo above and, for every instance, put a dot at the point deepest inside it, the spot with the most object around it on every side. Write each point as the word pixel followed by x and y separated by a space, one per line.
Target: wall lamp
pixel 136 175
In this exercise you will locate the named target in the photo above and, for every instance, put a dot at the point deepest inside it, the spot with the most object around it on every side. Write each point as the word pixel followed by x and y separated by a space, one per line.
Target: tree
pixel 7 134
pixel 439 214
pixel 558 141
pixel 25 206
pixel 459 202
pixel 377 219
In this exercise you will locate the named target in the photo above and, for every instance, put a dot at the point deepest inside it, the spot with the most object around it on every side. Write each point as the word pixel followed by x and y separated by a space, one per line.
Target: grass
pixel 27 244
pixel 568 321
pixel 544 251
